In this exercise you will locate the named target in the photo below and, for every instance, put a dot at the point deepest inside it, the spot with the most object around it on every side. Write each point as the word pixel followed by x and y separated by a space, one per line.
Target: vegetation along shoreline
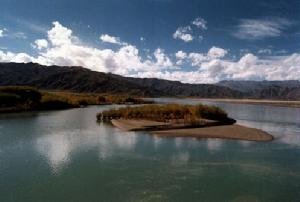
pixel 174 120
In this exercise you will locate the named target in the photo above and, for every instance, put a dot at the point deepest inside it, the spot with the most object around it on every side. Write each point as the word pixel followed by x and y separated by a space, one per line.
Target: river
pixel 67 156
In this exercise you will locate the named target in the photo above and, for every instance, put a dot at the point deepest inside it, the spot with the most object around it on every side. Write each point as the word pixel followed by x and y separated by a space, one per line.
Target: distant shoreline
pixel 279 103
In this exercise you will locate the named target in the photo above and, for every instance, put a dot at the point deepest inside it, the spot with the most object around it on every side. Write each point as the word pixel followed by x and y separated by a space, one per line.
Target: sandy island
pixel 178 130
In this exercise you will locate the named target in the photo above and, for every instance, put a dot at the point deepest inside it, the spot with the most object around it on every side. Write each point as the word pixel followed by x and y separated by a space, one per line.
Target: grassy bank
pixel 22 98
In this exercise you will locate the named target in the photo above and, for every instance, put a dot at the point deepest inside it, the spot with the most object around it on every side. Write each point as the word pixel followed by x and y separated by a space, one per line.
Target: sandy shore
pixel 133 125
pixel 225 132
pixel 280 103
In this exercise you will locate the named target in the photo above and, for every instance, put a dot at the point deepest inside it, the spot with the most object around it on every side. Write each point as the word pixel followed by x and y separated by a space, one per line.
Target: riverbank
pixel 279 103
pixel 162 129
pixel 23 98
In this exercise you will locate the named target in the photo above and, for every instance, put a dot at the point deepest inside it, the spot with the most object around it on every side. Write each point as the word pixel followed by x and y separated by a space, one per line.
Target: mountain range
pixel 283 90
pixel 79 79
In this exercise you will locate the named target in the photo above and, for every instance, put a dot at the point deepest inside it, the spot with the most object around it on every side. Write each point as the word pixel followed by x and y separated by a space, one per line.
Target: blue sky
pixel 141 37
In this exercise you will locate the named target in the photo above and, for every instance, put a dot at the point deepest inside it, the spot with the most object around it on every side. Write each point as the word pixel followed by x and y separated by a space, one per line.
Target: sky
pixel 195 41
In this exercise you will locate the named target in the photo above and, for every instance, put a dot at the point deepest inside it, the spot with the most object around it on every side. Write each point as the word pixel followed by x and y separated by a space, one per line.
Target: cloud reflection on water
pixel 58 147
pixel 214 144
pixel 181 158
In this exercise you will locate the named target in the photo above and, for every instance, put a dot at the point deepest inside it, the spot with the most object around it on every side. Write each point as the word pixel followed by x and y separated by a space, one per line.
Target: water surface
pixel 66 156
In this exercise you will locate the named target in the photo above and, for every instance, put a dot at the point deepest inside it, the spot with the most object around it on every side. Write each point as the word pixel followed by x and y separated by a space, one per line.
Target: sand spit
pixel 226 132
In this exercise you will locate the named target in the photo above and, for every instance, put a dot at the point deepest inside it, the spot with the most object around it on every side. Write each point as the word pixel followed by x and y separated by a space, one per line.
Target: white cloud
pixel 19 35
pixel 15 57
pixel 216 52
pixel 63 48
pixel 142 38
pixel 253 29
pixel 265 51
pixel 249 67
pixel 211 67
pixel 162 60
pixel 243 51
pixel 60 35
pixel 282 51
pixel 1 33
pixel 40 44
pixel 196 59
pixel 183 33
pixel 200 23
pixel 200 38
pixel 180 55
pixel 13 35
pixel 111 39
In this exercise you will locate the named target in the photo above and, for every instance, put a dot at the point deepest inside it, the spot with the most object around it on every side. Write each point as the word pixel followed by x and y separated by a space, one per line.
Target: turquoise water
pixel 66 156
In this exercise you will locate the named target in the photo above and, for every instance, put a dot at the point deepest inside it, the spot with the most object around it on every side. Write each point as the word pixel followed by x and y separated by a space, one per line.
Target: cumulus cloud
pixel 249 67
pixel 40 44
pixel 212 67
pixel 180 56
pixel 15 57
pixel 1 33
pixel 61 47
pixel 60 35
pixel 111 39
pixel 196 59
pixel 216 52
pixel 200 23
pixel 253 29
pixel 162 60
pixel 183 33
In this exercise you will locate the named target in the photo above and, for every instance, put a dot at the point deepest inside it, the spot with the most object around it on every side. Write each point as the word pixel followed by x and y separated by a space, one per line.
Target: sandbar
pixel 162 129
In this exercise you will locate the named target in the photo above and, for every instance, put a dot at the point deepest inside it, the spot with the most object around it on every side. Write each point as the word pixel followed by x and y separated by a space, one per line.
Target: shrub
pixel 54 101
pixel 24 93
pixel 211 112
pixel 55 104
pixel 8 99
pixel 188 113
pixel 115 99
pixel 101 99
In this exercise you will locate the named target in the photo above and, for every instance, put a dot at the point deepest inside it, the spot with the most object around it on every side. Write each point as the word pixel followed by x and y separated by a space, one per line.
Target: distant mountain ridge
pixel 80 79
pixel 287 90
pixel 248 86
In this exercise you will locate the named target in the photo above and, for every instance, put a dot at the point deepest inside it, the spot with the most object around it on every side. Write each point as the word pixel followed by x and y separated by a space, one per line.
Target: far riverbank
pixel 279 103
